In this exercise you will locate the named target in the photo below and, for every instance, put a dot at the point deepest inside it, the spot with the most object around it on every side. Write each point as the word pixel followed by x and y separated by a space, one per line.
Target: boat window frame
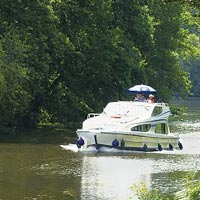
pixel 141 128
pixel 157 111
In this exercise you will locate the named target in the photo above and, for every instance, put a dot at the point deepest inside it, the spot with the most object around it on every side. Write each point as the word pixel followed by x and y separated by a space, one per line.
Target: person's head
pixel 139 94
pixel 151 96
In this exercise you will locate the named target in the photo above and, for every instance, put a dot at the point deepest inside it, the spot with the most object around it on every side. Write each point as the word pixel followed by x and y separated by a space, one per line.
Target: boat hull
pixel 129 140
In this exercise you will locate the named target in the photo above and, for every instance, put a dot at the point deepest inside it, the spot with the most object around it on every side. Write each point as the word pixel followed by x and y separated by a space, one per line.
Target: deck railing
pixel 92 115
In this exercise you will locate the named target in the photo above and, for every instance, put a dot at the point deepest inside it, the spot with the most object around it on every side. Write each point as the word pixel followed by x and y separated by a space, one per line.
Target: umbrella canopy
pixel 145 89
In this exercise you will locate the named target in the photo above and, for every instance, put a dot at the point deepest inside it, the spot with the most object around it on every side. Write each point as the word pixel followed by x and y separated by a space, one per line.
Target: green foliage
pixel 13 78
pixel 189 46
pixel 60 60
pixel 164 60
pixel 178 110
pixel 143 193
pixel 191 190
pixel 194 3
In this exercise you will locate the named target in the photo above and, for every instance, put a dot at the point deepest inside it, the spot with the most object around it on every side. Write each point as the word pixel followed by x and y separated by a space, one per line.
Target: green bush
pixel 191 190
pixel 143 193
pixel 178 110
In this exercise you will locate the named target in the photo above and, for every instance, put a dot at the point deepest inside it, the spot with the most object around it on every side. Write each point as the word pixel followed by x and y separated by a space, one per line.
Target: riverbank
pixel 43 134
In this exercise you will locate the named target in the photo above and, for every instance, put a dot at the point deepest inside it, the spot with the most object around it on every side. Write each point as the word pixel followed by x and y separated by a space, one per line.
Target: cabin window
pixel 162 128
pixel 156 111
pixel 142 128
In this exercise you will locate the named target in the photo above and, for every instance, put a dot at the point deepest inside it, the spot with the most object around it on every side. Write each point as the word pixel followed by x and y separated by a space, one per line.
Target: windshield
pixel 127 109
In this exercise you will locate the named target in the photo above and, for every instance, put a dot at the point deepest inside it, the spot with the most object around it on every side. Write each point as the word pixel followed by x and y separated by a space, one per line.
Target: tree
pixel 63 59
pixel 13 78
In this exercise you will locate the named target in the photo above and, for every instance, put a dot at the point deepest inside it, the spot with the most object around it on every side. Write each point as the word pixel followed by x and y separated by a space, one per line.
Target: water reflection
pixel 106 177
pixel 110 175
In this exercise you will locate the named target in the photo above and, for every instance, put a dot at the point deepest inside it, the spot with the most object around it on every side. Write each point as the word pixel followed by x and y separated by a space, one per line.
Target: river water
pixel 47 171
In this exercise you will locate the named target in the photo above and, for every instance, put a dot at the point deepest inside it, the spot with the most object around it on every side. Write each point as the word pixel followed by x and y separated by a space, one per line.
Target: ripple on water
pixel 188 126
pixel 60 168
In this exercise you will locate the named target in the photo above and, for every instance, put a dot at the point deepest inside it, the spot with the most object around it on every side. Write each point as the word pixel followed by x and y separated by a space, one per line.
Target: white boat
pixel 129 125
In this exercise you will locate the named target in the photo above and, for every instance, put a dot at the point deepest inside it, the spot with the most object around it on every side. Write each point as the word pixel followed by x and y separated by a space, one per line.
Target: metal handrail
pixel 92 115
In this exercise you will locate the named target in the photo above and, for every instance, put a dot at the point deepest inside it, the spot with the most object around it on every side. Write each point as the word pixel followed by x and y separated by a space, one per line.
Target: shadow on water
pixel 42 135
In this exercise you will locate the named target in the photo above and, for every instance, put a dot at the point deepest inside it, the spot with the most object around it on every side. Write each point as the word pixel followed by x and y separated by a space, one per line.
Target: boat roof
pixel 129 108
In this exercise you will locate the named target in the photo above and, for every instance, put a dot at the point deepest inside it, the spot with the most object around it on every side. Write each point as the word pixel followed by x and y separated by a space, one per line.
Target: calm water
pixel 39 171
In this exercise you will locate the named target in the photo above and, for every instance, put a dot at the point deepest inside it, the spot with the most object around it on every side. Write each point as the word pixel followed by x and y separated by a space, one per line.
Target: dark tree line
pixel 61 59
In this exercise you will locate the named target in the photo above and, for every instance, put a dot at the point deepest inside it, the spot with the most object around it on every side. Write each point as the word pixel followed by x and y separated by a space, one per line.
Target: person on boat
pixel 151 99
pixel 140 97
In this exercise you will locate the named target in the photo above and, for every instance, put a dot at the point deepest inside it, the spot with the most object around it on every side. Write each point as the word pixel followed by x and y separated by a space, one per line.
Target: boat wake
pixel 74 148
pixel 70 147
pixel 92 149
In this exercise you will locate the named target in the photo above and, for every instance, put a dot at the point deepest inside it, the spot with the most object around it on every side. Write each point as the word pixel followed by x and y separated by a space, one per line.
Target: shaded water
pixel 45 171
